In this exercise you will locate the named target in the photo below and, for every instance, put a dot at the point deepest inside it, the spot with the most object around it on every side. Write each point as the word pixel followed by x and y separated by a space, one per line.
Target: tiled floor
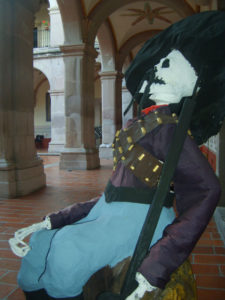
pixel 64 188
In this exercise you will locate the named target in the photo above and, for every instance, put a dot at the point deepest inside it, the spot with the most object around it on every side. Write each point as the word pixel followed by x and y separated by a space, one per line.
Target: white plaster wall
pixel 213 145
pixel 41 126
pixel 98 106
pixel 53 68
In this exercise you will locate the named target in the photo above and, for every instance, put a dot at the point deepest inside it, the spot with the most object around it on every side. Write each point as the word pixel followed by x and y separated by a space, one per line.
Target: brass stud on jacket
pixel 143 130
pixel 129 139
pixel 141 156
pixel 159 120
pixel 131 147
pixel 117 133
pixel 155 168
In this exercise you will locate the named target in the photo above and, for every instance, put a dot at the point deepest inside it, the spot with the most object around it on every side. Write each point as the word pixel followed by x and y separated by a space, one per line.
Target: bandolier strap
pixel 139 161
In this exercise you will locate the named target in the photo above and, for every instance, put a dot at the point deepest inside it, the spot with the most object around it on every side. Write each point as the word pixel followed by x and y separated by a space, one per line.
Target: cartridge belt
pixel 139 161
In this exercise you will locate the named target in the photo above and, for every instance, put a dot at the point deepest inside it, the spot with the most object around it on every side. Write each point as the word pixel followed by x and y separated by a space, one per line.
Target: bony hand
pixel 17 245
pixel 143 287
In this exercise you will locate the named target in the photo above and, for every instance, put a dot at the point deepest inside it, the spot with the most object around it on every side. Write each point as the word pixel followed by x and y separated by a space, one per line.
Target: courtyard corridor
pixel 66 187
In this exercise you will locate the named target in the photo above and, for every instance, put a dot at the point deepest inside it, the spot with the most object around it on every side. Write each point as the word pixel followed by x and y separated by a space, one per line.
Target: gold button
pixel 131 147
pixel 143 130
pixel 174 115
pixel 114 159
pixel 147 179
pixel 123 157
pixel 117 133
pixel 141 156
pixel 129 139
pixel 159 120
pixel 156 168
pixel 132 167
pixel 120 149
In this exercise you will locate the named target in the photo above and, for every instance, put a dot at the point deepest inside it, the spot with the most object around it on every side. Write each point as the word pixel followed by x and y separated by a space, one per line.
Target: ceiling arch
pixel 135 40
pixel 72 16
pixel 105 8
pixel 107 46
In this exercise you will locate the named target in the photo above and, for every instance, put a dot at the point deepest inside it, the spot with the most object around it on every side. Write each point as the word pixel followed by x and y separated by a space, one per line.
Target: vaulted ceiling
pixel 135 21
pixel 123 26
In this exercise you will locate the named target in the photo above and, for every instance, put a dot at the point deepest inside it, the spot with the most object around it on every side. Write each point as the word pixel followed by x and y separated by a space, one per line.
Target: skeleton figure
pixel 71 245
pixel 172 88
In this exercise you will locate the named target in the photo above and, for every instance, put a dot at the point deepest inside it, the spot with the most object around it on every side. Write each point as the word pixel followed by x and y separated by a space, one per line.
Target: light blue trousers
pixel 62 260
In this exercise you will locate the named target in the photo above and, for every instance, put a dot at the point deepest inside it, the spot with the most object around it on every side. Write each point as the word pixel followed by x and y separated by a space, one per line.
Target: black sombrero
pixel 201 39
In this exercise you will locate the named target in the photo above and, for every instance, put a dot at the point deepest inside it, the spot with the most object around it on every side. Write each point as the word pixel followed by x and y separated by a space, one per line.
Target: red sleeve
pixel 197 193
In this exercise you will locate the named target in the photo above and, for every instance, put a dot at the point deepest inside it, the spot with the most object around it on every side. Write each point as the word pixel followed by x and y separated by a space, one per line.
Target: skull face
pixel 174 78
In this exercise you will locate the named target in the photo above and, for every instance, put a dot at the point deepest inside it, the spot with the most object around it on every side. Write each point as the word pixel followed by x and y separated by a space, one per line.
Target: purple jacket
pixel 197 192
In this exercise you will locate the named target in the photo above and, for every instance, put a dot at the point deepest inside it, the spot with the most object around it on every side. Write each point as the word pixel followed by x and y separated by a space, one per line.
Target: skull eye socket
pixel 166 63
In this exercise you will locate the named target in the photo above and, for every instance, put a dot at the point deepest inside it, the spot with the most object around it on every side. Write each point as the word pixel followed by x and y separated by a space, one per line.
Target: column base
pixel 21 182
pixel 105 151
pixel 55 148
pixel 79 159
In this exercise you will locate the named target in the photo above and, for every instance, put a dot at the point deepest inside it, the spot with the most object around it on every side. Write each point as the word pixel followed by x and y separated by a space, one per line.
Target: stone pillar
pixel 126 98
pixel 57 121
pixel 109 111
pixel 80 151
pixel 56 32
pixel 21 171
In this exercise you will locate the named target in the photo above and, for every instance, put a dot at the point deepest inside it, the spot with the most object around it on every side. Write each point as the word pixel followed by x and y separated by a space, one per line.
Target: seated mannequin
pixel 69 246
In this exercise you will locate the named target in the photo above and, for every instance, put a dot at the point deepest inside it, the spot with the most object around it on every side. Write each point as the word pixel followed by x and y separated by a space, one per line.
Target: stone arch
pixel 72 15
pixel 135 40
pixel 107 47
pixel 104 9
pixel 53 69
pixel 42 106
pixel 38 84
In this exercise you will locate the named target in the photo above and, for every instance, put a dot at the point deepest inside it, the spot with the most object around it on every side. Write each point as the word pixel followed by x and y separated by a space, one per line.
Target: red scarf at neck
pixel 152 108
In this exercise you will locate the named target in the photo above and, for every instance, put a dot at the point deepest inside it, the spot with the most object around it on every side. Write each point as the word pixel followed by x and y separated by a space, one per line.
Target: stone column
pixel 57 121
pixel 56 32
pixel 126 98
pixel 108 81
pixel 80 151
pixel 21 171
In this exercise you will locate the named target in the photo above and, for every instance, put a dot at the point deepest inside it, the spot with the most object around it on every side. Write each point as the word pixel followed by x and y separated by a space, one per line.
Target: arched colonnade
pixel 21 170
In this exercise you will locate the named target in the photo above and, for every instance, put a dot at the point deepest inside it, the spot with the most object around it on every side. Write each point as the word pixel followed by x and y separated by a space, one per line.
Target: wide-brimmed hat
pixel 201 39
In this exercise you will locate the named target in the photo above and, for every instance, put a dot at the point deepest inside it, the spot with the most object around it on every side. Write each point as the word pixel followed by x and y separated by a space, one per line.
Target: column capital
pixel 53 10
pixel 79 50
pixel 56 92
pixel 110 75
